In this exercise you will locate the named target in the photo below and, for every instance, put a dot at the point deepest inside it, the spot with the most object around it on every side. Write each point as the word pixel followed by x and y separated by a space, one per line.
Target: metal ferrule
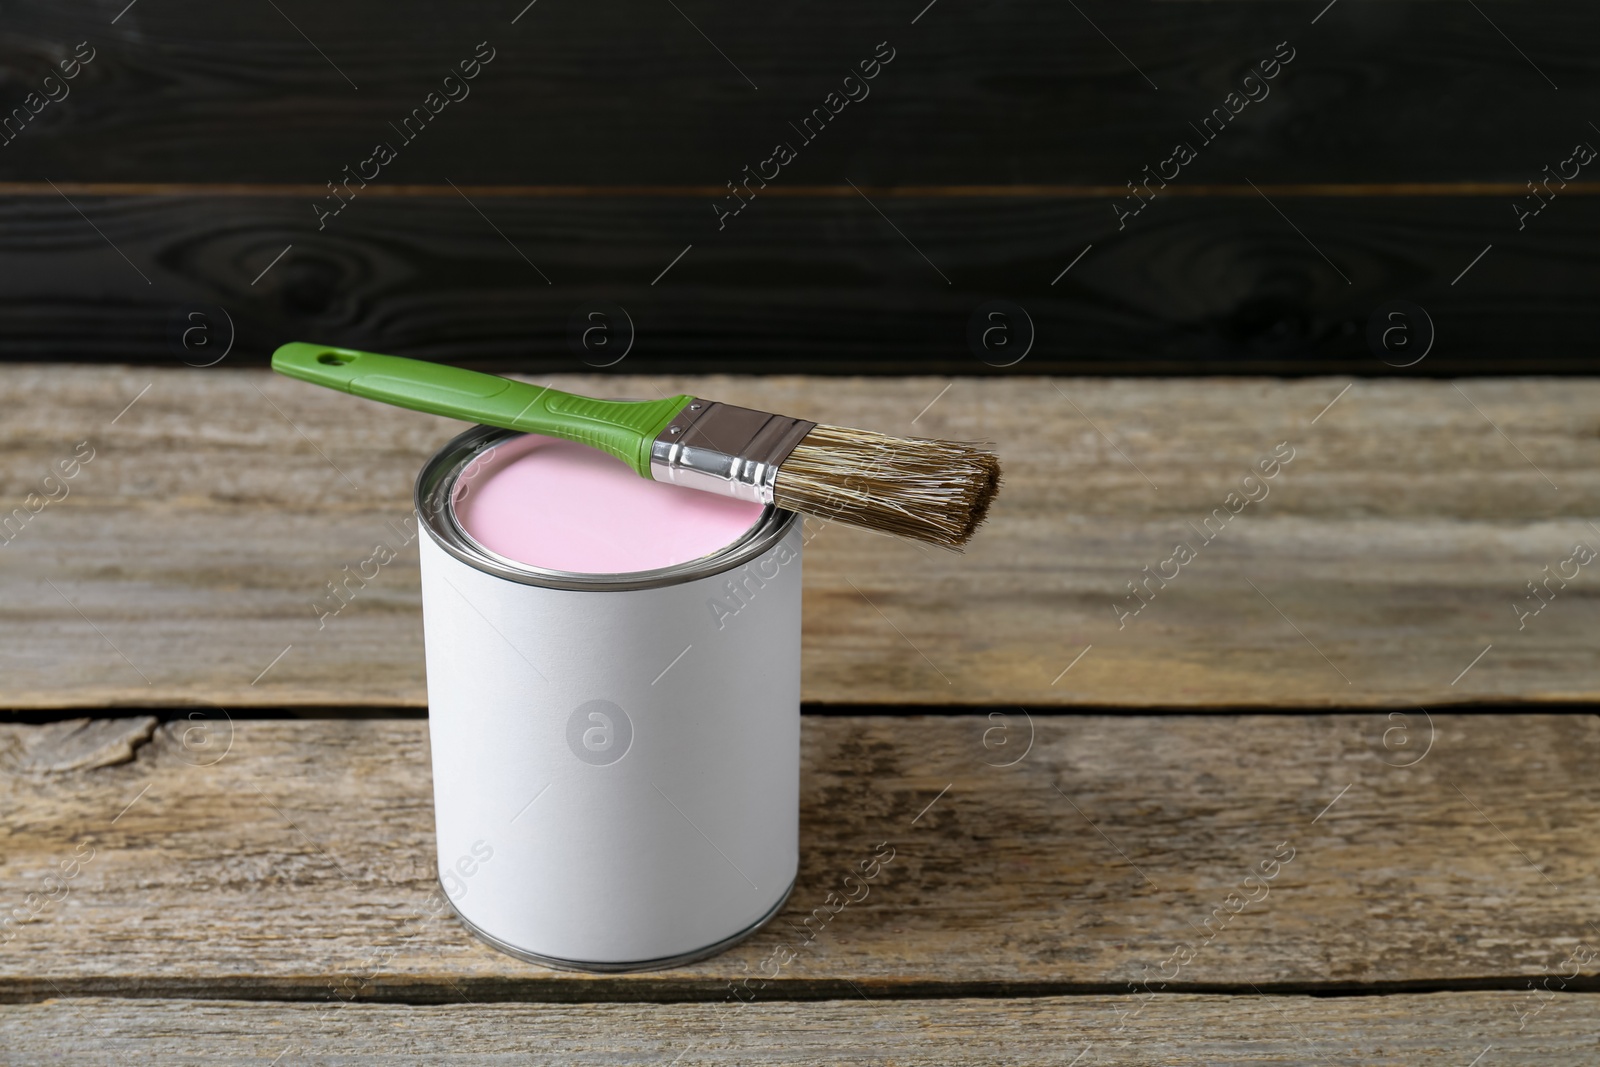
pixel 723 449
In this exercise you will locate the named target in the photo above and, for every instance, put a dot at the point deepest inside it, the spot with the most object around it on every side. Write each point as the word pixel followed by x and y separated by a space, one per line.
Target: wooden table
pixel 1337 690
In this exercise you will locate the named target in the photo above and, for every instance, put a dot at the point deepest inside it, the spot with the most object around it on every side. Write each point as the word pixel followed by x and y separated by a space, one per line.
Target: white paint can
pixel 615 756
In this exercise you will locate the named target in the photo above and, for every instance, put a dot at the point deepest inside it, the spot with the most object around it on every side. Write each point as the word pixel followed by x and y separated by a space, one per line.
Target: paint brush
pixel 927 490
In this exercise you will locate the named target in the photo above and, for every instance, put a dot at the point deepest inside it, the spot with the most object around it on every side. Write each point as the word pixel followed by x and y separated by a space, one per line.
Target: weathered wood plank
pixel 293 860
pixel 1169 1031
pixel 186 561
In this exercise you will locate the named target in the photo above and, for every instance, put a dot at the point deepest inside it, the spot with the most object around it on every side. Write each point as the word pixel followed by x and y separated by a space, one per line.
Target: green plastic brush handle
pixel 622 428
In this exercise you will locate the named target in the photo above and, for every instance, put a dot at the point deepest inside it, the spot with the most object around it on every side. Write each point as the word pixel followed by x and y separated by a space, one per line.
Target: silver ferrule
pixel 727 450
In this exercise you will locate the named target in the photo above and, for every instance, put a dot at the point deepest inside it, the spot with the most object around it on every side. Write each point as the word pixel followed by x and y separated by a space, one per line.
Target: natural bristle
pixel 933 491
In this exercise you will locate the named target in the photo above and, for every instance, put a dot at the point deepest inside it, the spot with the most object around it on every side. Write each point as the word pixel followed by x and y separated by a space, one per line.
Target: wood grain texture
pixel 294 860
pixel 188 560
pixel 1018 90
pixel 1171 1031
pixel 1192 284
pixel 638 122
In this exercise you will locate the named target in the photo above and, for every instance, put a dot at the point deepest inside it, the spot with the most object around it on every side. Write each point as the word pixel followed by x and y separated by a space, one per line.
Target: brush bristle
pixel 933 491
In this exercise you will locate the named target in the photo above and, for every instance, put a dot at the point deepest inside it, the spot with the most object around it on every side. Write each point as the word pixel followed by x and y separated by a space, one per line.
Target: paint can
pixel 615 756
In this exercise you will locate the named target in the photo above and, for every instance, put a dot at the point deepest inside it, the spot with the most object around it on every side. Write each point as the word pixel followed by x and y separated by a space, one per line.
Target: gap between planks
pixel 641 989
pixel 271 190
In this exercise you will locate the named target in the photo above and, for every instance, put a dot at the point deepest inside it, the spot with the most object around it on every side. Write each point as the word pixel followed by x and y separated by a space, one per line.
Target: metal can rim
pixel 434 501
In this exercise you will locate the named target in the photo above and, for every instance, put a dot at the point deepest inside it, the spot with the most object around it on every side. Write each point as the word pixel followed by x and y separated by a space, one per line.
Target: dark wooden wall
pixel 138 214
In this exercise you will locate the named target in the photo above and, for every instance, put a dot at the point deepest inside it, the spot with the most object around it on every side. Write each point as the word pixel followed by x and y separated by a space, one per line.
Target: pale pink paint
pixel 567 507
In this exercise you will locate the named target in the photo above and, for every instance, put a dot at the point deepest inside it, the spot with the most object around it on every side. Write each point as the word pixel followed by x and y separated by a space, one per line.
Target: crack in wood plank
pixel 75 744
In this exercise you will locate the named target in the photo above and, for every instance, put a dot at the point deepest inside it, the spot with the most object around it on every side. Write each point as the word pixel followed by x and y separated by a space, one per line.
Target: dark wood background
pixel 191 149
